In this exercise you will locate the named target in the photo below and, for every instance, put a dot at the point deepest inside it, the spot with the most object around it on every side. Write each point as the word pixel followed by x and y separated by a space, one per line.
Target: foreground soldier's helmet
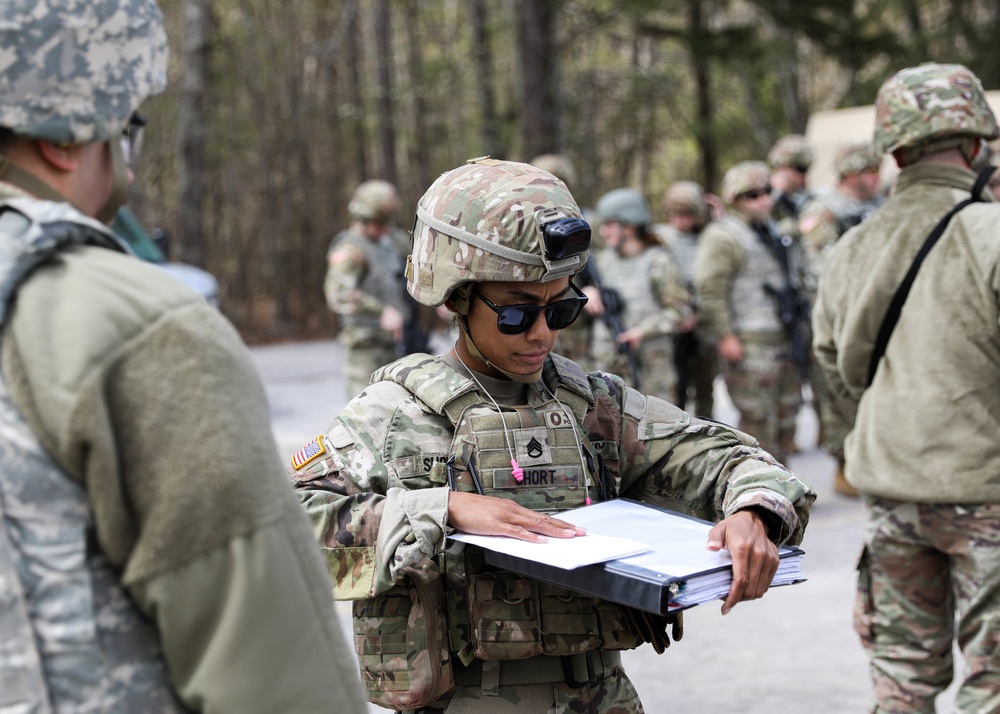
pixel 624 205
pixel 374 201
pixel 494 220
pixel 928 103
pixel 855 157
pixel 744 176
pixel 558 165
pixel 790 150
pixel 73 72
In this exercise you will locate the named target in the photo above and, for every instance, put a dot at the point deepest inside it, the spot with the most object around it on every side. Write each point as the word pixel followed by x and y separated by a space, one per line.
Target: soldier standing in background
pixel 789 159
pixel 694 356
pixel 739 256
pixel 824 219
pixel 152 557
pixel 364 284
pixel 924 450
pixel 654 303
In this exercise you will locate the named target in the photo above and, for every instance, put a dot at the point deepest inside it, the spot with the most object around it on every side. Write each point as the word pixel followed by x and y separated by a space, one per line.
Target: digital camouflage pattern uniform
pixel 923 451
pixel 733 267
pixel 693 350
pixel 824 219
pixel 442 627
pixel 364 275
pixel 152 559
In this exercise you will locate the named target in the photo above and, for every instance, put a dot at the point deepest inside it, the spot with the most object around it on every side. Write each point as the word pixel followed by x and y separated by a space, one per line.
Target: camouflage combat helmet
pixel 855 157
pixel 931 102
pixel 492 220
pixel 75 70
pixel 624 205
pixel 684 197
pixel 744 176
pixel 558 165
pixel 790 150
pixel 374 201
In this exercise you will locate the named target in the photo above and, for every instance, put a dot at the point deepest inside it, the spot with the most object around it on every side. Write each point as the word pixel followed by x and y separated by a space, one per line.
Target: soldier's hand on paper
pixel 487 515
pixel 755 557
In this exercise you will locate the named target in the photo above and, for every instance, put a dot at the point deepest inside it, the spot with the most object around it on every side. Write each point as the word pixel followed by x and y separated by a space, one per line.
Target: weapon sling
pixel 896 305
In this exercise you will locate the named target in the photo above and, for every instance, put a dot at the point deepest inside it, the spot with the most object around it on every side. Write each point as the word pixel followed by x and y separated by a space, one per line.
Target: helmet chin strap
pixel 119 184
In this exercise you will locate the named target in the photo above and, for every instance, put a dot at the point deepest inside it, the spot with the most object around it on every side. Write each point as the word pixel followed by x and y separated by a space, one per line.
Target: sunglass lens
pixel 562 314
pixel 515 320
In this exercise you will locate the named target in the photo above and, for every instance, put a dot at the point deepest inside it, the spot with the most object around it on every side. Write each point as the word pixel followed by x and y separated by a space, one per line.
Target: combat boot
pixel 840 484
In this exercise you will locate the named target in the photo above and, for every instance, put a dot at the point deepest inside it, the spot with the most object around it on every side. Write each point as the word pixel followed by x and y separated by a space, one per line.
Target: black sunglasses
pixel 755 193
pixel 515 319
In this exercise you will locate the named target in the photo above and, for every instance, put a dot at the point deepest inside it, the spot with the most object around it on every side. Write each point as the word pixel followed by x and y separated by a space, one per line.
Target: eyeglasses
pixel 755 193
pixel 800 169
pixel 515 319
pixel 132 139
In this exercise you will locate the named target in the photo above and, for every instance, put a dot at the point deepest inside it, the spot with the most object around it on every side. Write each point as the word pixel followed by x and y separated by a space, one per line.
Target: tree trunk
pixel 703 121
pixel 537 52
pixel 421 156
pixel 387 119
pixel 191 173
pixel 355 59
pixel 484 80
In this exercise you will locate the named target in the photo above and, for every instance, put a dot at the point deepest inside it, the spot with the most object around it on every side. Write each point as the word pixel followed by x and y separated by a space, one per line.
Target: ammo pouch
pixel 513 617
pixel 402 643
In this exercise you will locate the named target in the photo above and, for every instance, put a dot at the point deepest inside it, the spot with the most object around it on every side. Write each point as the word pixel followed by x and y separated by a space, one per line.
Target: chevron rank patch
pixel 309 453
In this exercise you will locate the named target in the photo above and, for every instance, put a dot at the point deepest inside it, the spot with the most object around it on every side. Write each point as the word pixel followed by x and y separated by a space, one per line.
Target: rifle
pixel 792 305
pixel 613 308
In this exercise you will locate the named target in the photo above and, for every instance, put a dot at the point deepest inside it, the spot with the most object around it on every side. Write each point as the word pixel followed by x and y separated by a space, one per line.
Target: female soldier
pixel 492 438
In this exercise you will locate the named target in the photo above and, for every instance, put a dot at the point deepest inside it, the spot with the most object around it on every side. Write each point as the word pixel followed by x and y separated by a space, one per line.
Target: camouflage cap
pixel 624 205
pixel 375 201
pixel 855 157
pixel 558 165
pixel 73 71
pixel 483 222
pixel 742 177
pixel 790 150
pixel 931 101
pixel 684 197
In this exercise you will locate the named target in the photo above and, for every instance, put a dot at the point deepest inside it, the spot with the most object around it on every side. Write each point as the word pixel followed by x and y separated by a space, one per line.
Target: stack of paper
pixel 674 570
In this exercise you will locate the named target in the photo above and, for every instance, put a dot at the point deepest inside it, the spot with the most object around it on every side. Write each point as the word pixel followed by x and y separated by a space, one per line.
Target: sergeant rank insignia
pixel 309 453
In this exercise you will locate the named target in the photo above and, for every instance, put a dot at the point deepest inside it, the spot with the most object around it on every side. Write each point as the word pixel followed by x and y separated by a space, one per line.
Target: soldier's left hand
pixel 633 337
pixel 755 557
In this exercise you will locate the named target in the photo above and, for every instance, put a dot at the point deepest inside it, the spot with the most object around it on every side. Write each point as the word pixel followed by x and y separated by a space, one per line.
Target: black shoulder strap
pixel 896 305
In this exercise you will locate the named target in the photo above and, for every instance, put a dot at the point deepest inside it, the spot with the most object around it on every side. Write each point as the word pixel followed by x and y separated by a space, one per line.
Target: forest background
pixel 277 109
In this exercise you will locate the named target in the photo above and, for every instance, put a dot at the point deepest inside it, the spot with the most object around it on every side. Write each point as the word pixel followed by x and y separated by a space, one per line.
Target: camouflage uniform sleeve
pixel 674 298
pixel 368 528
pixel 818 228
pixel 718 259
pixel 705 469
pixel 347 268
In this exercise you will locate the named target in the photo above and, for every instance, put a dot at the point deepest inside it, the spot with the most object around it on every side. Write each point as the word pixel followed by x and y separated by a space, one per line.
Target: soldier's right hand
pixel 488 515
pixel 594 306
pixel 731 349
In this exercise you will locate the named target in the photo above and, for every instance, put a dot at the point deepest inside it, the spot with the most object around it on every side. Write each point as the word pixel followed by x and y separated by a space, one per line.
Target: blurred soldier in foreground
pixel 364 284
pixel 745 273
pixel 825 218
pixel 789 159
pixel 694 356
pixel 636 284
pixel 924 450
pixel 498 437
pixel 152 559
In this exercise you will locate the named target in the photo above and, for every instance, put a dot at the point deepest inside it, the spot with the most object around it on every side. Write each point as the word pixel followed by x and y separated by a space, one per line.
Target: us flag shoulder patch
pixel 309 453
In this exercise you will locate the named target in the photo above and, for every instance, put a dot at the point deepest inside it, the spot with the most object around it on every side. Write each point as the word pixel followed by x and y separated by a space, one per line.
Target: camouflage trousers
pixel 657 372
pixel 361 362
pixel 609 692
pixel 766 389
pixel 836 417
pixel 929 575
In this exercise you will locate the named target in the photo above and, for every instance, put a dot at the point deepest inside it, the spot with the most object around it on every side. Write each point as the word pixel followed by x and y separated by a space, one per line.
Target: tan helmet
pixel 558 165
pixel 744 176
pixel 929 103
pixel 790 150
pixel 685 197
pixel 493 220
pixel 375 201
pixel 855 157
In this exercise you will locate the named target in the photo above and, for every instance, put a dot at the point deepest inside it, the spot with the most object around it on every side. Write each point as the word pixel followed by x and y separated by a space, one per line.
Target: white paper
pixel 567 553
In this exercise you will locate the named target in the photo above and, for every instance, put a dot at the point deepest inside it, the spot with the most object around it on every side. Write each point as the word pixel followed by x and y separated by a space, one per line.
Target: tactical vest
pixel 491 614
pixel 684 249
pixel 752 310
pixel 847 211
pixel 630 276
pixel 71 640
pixel 382 278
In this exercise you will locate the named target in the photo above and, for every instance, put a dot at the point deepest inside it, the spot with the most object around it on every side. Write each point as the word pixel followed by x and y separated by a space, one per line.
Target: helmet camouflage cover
pixel 744 176
pixel 684 197
pixel 790 150
pixel 931 101
pixel 374 201
pixel 483 222
pixel 558 165
pixel 624 205
pixel 73 71
pixel 855 157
